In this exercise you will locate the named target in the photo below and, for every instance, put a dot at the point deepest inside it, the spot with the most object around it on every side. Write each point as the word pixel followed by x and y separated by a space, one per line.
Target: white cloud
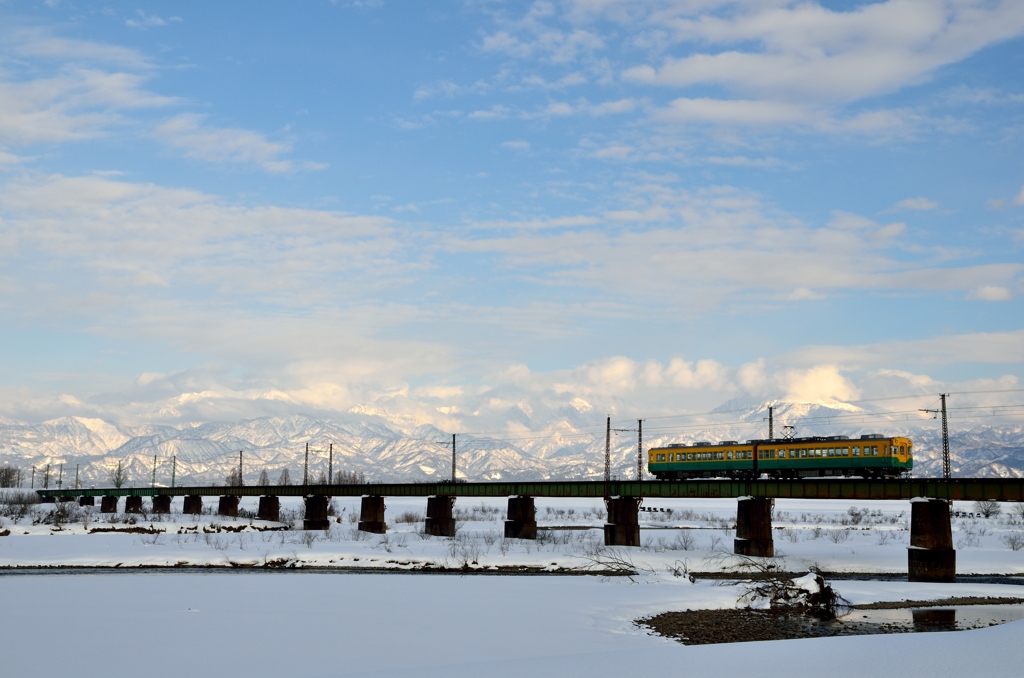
pixel 991 293
pixel 733 112
pixel 516 145
pixel 144 21
pixel 919 204
pixel 77 104
pixel 808 52
pixel 820 384
pixel 723 244
pixel 40 45
pixel 1019 198
pixel 496 112
pixel 221 144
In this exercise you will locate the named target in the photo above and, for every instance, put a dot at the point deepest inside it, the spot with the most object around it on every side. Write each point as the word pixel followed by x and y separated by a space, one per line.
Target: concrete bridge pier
pixel 316 514
pixel 270 509
pixel 931 556
pixel 133 504
pixel 439 522
pixel 371 515
pixel 522 519
pixel 108 504
pixel 162 503
pixel 87 501
pixel 623 526
pixel 193 505
pixel 228 506
pixel 754 528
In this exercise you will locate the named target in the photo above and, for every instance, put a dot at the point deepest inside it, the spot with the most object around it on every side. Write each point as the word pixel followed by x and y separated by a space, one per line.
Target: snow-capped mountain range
pixel 567 445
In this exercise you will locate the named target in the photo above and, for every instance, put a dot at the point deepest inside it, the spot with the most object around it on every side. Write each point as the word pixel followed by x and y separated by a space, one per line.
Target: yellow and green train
pixel 870 456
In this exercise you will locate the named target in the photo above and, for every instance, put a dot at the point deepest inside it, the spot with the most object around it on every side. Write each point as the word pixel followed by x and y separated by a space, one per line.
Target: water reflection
pixel 934 619
pixel 953 618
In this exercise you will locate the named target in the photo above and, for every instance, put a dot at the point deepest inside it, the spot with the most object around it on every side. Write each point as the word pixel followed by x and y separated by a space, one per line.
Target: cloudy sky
pixel 217 210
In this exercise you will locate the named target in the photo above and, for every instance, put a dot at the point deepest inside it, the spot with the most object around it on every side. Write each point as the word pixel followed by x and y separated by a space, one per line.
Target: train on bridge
pixel 870 456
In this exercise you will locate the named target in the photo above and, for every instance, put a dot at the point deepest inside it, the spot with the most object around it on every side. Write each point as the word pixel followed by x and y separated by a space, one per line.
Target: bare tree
pixel 349 478
pixel 285 478
pixel 118 476
pixel 10 476
pixel 234 478
pixel 989 509
pixel 263 480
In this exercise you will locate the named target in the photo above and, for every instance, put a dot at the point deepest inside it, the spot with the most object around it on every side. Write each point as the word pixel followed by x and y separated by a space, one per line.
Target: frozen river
pixel 310 624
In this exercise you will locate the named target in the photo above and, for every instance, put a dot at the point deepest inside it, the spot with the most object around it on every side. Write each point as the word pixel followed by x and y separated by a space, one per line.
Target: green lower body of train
pixel 870 467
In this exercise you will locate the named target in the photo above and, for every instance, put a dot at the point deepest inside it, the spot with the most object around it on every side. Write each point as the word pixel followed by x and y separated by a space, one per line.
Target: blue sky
pixel 449 209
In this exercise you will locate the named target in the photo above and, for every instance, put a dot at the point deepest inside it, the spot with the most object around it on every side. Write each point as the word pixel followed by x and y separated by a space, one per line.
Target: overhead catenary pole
pixel 174 467
pixel 453 457
pixel 76 476
pixel 608 451
pixel 946 471
pixel 33 478
pixel 60 477
pixel 771 423
pixel 152 483
pixel 330 465
pixel 945 439
pixel 305 468
pixel 240 481
pixel 639 449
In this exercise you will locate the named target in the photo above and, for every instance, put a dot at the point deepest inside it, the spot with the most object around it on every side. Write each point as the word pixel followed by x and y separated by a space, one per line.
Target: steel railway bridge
pixel 931 556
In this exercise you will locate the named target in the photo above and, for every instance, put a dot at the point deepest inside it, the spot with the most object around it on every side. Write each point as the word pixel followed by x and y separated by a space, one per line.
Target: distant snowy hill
pixel 569 444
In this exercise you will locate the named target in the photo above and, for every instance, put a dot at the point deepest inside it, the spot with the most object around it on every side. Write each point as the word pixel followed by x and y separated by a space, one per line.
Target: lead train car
pixel 870 456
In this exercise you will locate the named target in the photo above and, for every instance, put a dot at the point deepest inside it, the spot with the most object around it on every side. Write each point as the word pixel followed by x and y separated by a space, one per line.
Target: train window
pixel 728 455
pixel 874 451
pixel 846 451
pixel 903 450
pixel 690 456
pixel 817 452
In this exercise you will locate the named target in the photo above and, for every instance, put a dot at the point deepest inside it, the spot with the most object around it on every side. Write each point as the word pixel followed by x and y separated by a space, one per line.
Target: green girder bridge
pixel 970 489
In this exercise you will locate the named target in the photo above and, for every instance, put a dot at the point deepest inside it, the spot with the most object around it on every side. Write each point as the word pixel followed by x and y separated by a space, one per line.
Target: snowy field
pixel 833 536
pixel 301 621
pixel 307 624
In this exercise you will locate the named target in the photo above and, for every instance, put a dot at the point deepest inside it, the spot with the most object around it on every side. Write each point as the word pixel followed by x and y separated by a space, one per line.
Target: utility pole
pixel 608 451
pixel 33 478
pixel 174 467
pixel 453 457
pixel 771 423
pixel 945 436
pixel 240 481
pixel 305 468
pixel 330 465
pixel 76 476
pixel 152 483
pixel 60 477
pixel 639 449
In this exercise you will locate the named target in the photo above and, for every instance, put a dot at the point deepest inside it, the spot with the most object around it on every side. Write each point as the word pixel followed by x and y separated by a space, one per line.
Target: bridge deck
pixel 1000 489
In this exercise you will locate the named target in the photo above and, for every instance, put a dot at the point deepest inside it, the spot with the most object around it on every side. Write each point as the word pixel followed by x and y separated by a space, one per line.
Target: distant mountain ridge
pixel 569 445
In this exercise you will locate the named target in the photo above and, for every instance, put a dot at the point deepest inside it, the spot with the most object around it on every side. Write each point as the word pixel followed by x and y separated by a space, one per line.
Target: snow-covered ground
pixel 315 624
pixel 834 536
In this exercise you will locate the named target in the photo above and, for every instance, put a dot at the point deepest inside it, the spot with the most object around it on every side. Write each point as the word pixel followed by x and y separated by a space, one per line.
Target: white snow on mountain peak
pixel 541 441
